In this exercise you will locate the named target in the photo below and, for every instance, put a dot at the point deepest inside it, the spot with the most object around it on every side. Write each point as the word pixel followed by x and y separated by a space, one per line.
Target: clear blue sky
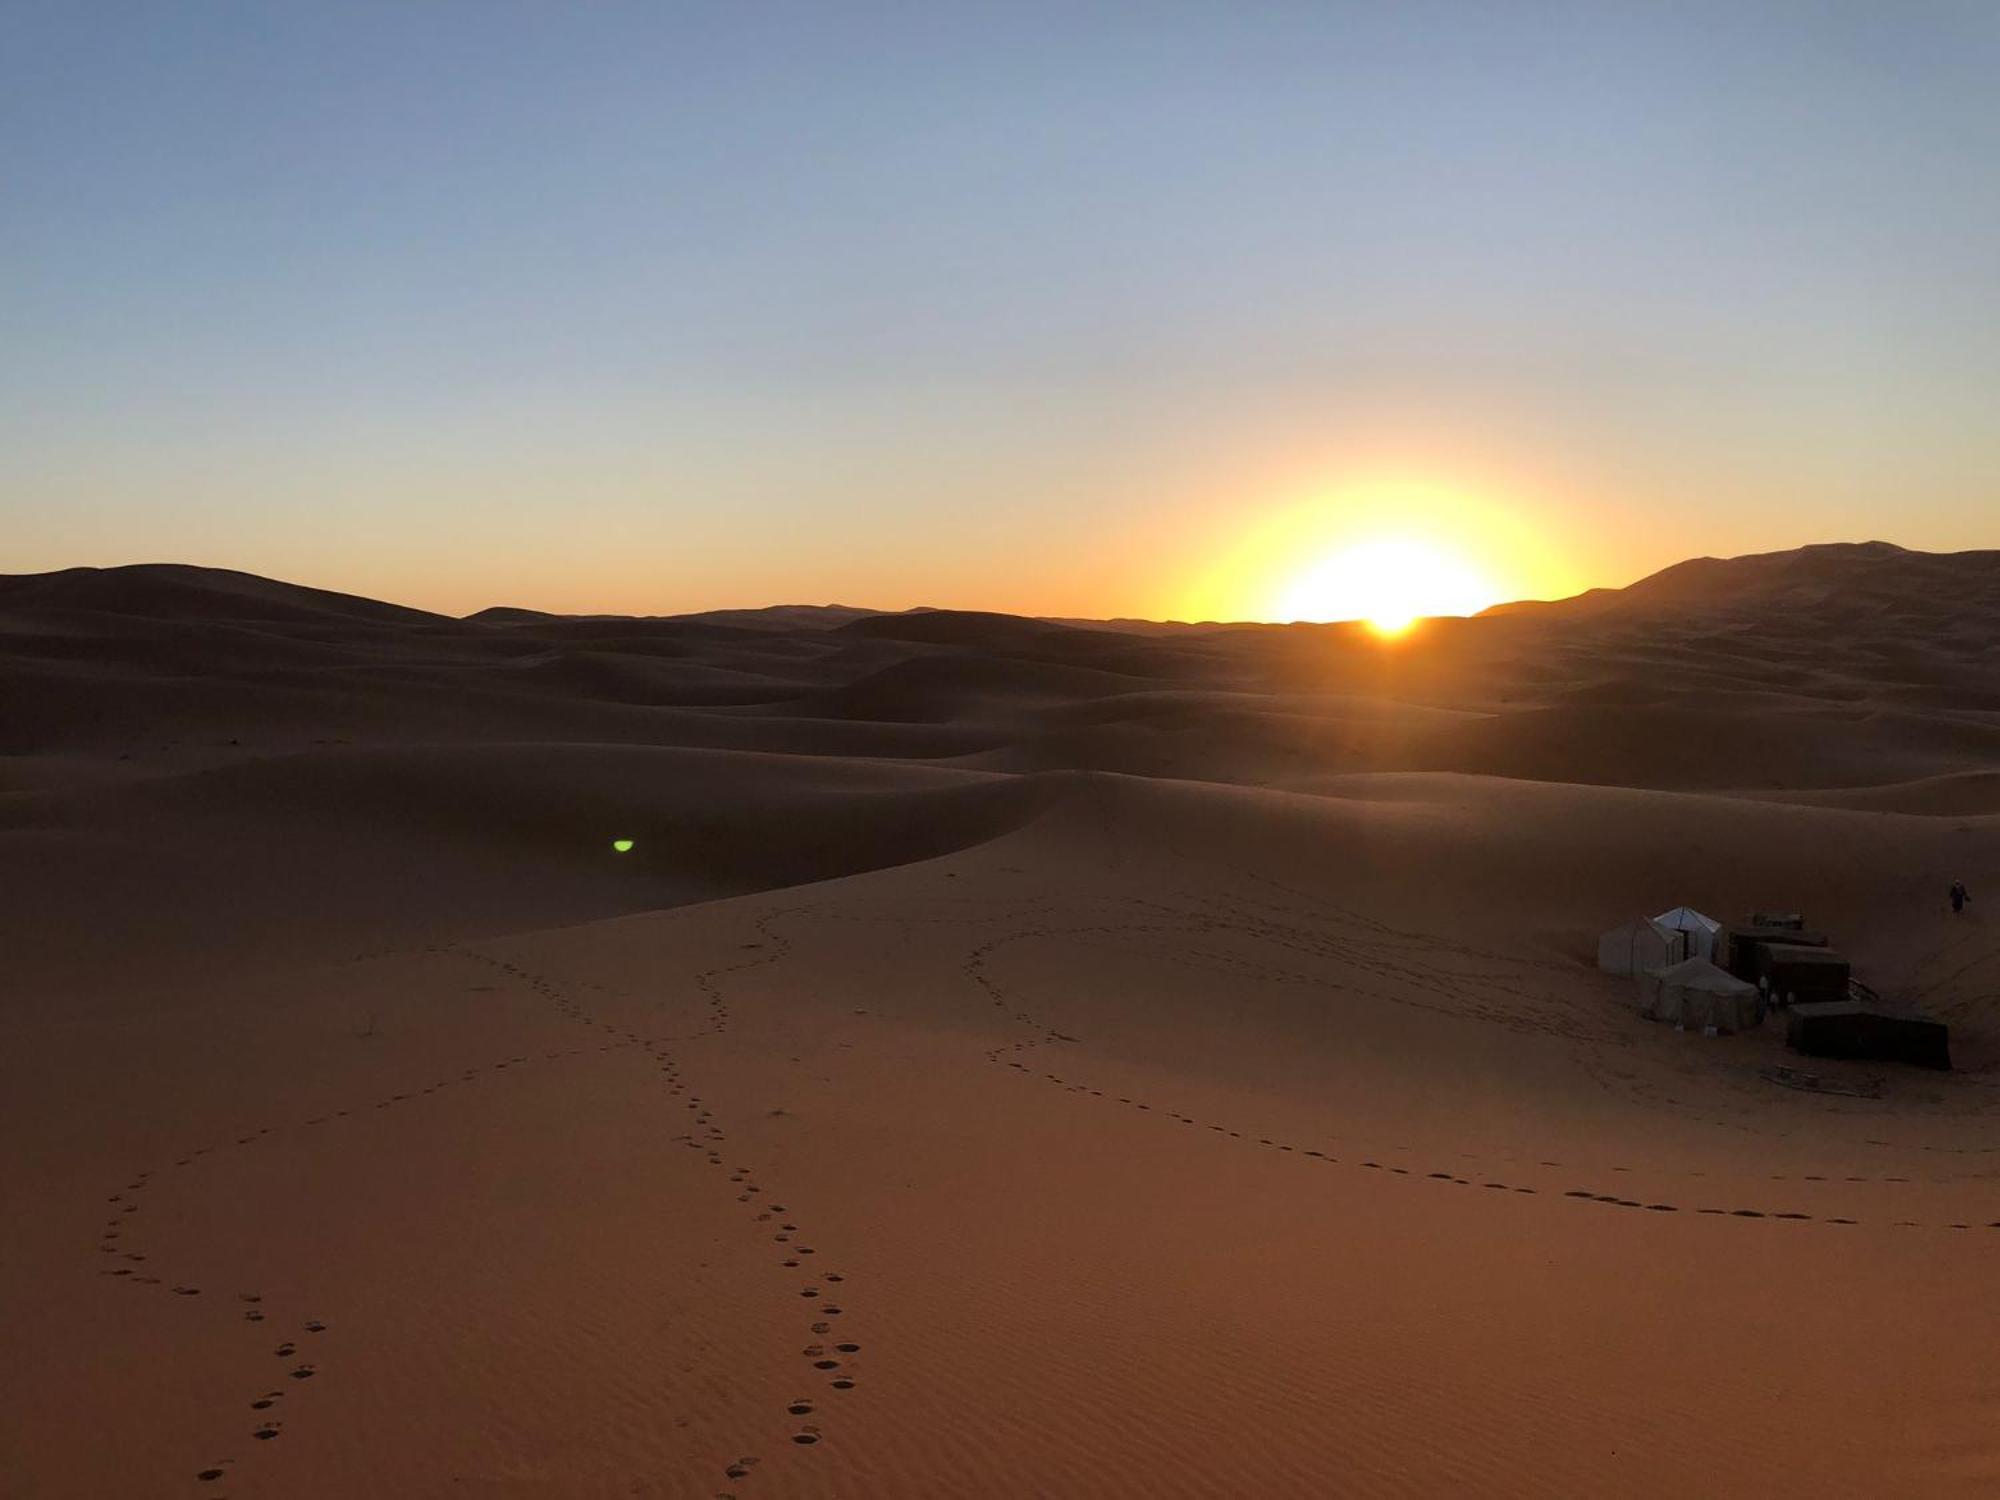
pixel 1015 306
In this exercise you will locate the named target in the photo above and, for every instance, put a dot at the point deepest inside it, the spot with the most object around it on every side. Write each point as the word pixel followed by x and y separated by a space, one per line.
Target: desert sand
pixel 1012 1058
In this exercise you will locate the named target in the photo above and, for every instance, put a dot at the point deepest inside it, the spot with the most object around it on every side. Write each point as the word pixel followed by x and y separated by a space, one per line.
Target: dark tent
pixel 1738 951
pixel 1800 975
pixel 1847 1028
pixel 1789 920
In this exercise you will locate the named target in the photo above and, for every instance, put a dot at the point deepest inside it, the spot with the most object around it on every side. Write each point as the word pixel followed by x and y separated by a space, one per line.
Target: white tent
pixel 1702 934
pixel 1639 946
pixel 1694 993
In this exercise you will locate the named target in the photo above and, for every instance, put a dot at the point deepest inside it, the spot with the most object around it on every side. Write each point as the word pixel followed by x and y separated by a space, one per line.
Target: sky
pixel 1169 310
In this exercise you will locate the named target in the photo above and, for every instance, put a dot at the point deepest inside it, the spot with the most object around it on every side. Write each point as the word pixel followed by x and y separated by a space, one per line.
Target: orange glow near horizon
pixel 1384 551
pixel 1388 582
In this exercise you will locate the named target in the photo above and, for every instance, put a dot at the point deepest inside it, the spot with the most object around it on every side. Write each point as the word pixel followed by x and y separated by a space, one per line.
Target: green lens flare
pixel 623 846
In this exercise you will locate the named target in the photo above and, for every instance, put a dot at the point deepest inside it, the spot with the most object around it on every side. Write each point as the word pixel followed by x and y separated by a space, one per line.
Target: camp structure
pixel 1740 944
pixel 1638 947
pixel 1695 994
pixel 1850 1028
pixel 1700 935
pixel 1799 975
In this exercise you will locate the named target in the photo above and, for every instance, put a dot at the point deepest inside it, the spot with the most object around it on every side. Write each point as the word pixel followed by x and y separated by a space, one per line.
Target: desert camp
pixel 1698 974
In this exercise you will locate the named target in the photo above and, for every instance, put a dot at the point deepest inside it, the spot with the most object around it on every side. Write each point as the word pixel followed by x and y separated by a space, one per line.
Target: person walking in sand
pixel 1959 896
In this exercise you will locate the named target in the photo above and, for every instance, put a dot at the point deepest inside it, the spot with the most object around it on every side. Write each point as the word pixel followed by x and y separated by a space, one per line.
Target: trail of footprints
pixel 118 1239
pixel 128 1201
pixel 974 967
pixel 117 1235
pixel 826 1352
pixel 1012 1054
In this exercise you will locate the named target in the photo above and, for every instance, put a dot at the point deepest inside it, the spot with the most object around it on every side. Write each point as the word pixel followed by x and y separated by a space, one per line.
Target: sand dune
pixel 1013 1058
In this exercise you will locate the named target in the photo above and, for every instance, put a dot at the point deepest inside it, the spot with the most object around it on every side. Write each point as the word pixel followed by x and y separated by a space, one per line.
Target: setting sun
pixel 1389 583
pixel 1388 543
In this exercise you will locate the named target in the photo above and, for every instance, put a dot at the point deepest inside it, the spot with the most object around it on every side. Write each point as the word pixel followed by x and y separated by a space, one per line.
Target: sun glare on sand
pixel 1389 583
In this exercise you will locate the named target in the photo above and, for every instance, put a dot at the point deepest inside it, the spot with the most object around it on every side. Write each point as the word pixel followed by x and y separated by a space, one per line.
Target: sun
pixel 1389 582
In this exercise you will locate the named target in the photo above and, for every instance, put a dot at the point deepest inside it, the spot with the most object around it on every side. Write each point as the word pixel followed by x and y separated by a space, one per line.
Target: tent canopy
pixel 1638 947
pixel 1694 992
pixel 1702 932
pixel 1700 974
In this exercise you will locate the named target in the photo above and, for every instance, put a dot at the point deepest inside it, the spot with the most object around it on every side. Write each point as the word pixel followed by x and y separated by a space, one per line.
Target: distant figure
pixel 1959 896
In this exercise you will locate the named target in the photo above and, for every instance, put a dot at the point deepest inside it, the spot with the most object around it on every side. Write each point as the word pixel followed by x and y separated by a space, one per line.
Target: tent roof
pixel 1664 932
pixel 1795 953
pixel 1686 917
pixel 1700 974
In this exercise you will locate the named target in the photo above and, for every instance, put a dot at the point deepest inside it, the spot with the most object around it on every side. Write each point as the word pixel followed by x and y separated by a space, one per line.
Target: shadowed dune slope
pixel 171 591
pixel 1828 668
pixel 284 854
